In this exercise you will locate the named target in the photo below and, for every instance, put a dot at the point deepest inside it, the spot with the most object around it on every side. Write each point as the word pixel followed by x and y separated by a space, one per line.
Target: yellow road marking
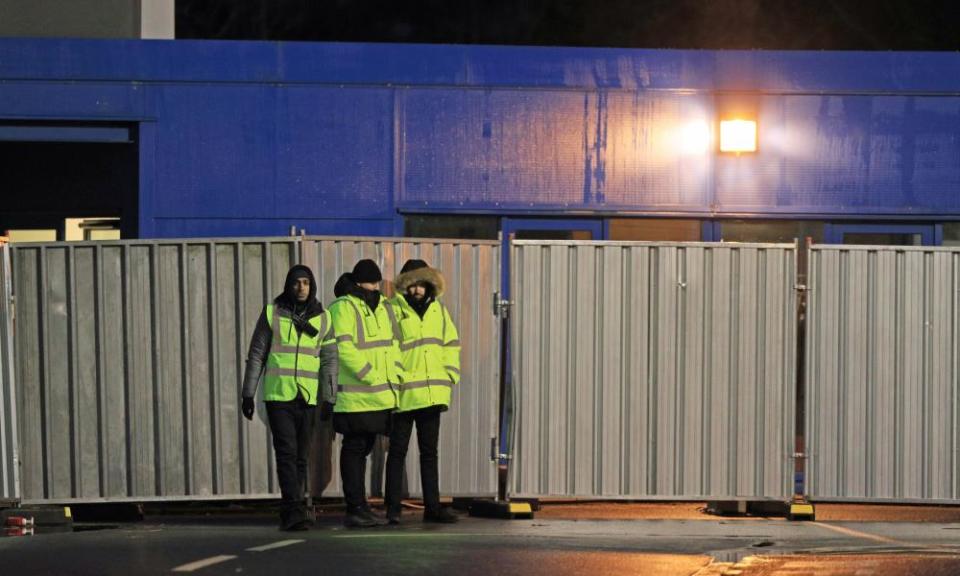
pixel 864 535
pixel 203 563
pixel 274 545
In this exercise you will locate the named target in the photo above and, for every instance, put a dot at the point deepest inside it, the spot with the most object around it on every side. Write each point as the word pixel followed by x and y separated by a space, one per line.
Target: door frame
pixel 509 226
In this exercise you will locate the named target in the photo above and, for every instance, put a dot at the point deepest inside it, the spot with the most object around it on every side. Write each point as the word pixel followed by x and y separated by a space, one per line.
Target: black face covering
pixel 371 297
pixel 348 285
pixel 420 306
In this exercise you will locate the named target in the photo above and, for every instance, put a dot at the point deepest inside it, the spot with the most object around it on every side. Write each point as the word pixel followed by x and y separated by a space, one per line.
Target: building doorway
pixel 67 176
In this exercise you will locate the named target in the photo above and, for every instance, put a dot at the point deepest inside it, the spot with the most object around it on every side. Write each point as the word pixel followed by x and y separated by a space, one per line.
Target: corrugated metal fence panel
pixel 646 370
pixel 9 477
pixel 472 271
pixel 129 358
pixel 883 373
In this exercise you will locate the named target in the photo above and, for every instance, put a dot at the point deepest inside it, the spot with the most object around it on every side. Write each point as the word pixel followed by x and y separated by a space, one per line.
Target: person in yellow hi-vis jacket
pixel 368 380
pixel 430 348
pixel 293 347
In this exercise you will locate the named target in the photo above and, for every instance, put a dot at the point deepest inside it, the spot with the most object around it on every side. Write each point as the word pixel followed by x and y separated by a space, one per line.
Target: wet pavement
pixel 561 540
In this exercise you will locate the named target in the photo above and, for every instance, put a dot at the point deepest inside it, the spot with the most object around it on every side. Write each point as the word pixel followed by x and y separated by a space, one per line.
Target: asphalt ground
pixel 563 538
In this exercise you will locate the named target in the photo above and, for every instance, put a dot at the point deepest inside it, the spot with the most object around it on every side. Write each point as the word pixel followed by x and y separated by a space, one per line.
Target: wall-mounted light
pixel 738 136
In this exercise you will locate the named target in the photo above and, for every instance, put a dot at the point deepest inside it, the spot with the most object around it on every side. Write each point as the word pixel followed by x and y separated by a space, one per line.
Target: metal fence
pixel 130 356
pixel 649 370
pixel 883 374
pixel 129 360
pixel 9 476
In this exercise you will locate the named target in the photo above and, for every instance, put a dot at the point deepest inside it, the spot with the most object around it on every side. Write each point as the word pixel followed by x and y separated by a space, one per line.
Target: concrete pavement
pixel 706 546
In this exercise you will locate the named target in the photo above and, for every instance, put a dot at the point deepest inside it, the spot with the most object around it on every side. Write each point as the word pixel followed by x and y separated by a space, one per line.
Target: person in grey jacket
pixel 293 347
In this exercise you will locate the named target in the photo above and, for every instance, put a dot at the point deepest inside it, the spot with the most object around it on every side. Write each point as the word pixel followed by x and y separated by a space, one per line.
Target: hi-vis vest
pixel 430 352
pixel 369 358
pixel 293 364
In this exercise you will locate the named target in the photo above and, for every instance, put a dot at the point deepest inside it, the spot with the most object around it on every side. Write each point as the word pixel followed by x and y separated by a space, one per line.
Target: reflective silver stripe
pixel 443 315
pixel 363 388
pixel 453 369
pixel 364 371
pixel 362 342
pixel 324 324
pixel 277 346
pixel 344 338
pixel 393 321
pixel 373 344
pixel 453 343
pixel 275 323
pixel 291 372
pixel 424 383
pixel 421 342
pixel 361 337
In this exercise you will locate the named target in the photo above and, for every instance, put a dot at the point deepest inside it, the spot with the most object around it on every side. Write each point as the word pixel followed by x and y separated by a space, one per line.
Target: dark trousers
pixel 354 449
pixel 291 425
pixel 427 421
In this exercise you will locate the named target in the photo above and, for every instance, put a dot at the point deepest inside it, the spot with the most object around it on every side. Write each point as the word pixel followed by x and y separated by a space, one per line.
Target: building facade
pixel 213 138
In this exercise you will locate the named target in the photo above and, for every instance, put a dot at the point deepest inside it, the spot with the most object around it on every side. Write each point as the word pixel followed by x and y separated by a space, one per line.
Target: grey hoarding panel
pixel 883 374
pixel 645 370
pixel 472 272
pixel 129 357
pixel 9 474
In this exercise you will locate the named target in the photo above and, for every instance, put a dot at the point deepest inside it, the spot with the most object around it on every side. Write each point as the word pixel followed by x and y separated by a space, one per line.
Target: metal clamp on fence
pixel 501 307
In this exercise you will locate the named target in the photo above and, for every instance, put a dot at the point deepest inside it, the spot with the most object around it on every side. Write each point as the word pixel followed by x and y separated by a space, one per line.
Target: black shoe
pixel 441 516
pixel 358 519
pixel 295 519
pixel 393 517
pixel 377 520
pixel 301 526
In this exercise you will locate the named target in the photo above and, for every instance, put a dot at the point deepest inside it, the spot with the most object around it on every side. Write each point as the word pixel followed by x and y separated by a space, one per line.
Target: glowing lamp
pixel 738 136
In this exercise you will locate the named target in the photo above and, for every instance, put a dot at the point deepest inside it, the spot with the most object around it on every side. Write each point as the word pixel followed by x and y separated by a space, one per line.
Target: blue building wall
pixel 249 138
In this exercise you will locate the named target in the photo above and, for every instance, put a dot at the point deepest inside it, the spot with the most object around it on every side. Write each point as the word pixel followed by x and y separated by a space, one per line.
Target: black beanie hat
pixel 297 273
pixel 366 270
pixel 413 264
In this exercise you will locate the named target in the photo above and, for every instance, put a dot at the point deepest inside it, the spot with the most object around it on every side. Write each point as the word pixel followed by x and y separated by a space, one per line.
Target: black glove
pixel 326 411
pixel 247 408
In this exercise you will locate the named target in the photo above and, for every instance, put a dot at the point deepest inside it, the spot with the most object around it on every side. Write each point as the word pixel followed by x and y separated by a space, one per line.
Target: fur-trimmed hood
pixel 429 275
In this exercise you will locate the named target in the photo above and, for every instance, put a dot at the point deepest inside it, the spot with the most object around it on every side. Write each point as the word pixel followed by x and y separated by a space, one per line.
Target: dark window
pixel 467 227
pixel 654 229
pixel 882 239
pixel 951 234
pixel 779 231
pixel 553 235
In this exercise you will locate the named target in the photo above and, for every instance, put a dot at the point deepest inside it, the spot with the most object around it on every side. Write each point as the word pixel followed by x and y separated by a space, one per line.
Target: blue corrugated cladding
pixel 242 138
pixel 565 149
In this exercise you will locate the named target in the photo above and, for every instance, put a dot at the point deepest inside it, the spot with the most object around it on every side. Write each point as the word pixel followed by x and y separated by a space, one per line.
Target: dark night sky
pixel 745 24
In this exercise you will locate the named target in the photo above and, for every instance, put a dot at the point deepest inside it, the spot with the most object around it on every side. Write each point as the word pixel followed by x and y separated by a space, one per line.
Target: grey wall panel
pixel 129 359
pixel 472 271
pixel 9 446
pixel 647 370
pixel 883 373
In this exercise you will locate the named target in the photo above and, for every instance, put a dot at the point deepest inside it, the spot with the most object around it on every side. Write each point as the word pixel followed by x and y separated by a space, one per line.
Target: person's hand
pixel 247 408
pixel 326 411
